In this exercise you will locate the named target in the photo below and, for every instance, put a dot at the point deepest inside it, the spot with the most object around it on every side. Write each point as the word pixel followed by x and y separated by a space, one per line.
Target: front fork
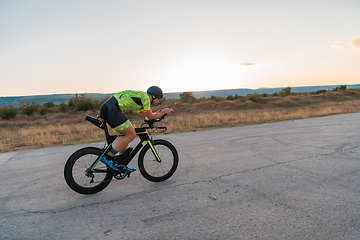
pixel 153 150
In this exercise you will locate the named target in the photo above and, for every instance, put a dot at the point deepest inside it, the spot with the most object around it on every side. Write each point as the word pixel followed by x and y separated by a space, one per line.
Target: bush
pixel 45 110
pixel 63 107
pixel 230 97
pixel 27 108
pixel 285 92
pixel 8 112
pixel 187 97
pixel 83 103
pixel 340 88
pixel 255 97
pixel 216 99
pixel 235 97
pixel 319 91
pixel 49 105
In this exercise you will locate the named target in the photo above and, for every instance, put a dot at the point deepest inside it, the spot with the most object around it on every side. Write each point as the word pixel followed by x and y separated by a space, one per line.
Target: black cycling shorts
pixel 110 111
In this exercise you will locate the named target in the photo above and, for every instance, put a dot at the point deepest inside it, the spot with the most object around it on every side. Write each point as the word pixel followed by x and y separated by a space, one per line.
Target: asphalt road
pixel 289 180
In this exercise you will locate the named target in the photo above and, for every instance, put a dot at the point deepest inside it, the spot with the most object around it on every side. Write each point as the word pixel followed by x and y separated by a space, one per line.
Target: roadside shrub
pixel 43 110
pixel 230 97
pixel 49 105
pixel 83 103
pixel 27 108
pixel 216 99
pixel 8 112
pixel 340 88
pixel 235 97
pixel 187 97
pixel 63 107
pixel 255 97
pixel 320 91
pixel 285 92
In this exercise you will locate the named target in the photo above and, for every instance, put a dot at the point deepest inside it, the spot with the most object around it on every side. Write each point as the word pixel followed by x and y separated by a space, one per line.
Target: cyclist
pixel 112 110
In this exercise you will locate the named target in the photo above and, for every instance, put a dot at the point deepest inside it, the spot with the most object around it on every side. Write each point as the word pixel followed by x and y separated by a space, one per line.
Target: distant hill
pixel 245 91
pixel 41 99
pixel 59 98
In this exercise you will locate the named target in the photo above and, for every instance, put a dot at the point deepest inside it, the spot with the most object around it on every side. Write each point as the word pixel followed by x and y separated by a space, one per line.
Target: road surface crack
pixel 296 144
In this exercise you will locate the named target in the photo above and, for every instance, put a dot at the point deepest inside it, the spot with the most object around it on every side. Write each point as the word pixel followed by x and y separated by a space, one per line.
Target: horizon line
pixel 225 89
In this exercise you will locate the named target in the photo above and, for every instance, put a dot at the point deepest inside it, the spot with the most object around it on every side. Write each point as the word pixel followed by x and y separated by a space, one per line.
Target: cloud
pixel 355 43
pixel 246 64
pixel 337 44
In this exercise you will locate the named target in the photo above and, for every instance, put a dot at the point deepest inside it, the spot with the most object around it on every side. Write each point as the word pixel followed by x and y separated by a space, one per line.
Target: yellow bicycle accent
pixel 152 149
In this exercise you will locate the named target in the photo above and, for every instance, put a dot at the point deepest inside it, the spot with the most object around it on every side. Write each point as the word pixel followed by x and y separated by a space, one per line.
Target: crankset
pixel 122 173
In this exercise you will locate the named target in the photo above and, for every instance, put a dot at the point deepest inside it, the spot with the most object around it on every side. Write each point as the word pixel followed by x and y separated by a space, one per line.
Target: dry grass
pixel 45 136
pixel 228 118
pixel 70 128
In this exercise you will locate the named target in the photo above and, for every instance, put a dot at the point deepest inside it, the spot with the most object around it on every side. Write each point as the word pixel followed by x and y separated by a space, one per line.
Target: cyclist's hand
pixel 167 111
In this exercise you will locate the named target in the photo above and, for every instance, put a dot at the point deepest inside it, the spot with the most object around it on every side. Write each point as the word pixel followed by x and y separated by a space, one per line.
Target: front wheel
pixel 151 168
pixel 78 175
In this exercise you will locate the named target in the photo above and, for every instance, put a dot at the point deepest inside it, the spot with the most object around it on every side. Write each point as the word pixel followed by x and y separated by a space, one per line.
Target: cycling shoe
pixel 130 170
pixel 109 163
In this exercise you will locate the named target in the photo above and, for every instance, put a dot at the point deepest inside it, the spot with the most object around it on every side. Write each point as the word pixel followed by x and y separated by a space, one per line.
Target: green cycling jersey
pixel 133 100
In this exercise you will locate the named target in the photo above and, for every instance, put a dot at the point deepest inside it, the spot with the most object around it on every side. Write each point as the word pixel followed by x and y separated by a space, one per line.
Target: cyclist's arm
pixel 150 115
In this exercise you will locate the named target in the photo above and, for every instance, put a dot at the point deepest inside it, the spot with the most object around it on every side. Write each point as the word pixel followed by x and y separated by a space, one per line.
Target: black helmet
pixel 156 92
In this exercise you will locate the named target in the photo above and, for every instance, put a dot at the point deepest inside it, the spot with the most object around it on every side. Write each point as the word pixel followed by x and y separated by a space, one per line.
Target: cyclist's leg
pixel 129 135
pixel 123 126
pixel 123 143
pixel 111 113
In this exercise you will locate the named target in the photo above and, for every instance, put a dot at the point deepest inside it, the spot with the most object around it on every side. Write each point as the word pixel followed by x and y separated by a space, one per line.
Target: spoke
pixel 80 167
pixel 155 168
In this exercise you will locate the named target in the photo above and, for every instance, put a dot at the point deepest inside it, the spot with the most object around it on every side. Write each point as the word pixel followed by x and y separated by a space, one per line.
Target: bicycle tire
pixel 75 168
pixel 156 171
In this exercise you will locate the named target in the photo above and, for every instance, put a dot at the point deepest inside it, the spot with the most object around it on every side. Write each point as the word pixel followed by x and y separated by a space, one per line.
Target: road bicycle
pixel 86 174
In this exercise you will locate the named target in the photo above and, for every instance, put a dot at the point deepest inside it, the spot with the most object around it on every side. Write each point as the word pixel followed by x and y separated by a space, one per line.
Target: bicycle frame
pixel 84 174
pixel 144 139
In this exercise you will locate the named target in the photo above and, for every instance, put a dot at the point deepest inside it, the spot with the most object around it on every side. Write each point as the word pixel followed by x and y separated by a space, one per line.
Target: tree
pixel 187 97
pixel 340 88
pixel 285 92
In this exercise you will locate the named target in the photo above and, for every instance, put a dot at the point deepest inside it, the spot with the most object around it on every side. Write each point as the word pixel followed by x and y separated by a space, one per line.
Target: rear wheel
pixel 78 175
pixel 151 168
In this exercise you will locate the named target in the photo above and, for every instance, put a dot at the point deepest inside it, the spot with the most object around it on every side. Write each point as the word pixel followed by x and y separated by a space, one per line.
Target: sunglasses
pixel 160 97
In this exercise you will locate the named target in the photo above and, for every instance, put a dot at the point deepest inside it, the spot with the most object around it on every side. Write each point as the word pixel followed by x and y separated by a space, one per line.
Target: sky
pixel 93 46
